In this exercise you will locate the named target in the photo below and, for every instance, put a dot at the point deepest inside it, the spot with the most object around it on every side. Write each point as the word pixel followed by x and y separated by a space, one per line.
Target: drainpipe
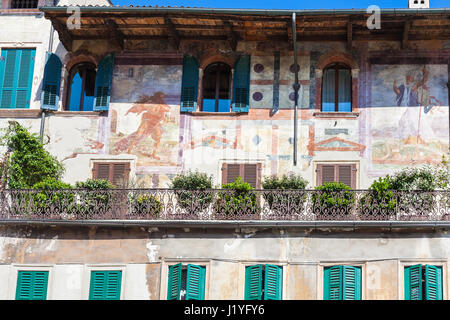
pixel 50 48
pixel 296 84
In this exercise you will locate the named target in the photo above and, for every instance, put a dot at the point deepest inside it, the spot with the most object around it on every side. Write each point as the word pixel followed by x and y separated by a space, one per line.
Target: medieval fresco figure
pixel 408 91
pixel 153 109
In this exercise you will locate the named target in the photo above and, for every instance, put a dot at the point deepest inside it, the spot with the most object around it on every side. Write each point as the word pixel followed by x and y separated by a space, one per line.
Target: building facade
pixel 136 95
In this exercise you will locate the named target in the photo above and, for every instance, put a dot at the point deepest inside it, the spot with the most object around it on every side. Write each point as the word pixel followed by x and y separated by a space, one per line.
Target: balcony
pixel 225 207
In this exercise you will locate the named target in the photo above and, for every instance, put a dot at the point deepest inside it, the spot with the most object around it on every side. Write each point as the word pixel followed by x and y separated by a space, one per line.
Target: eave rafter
pixel 230 34
pixel 116 34
pixel 174 37
pixel 63 33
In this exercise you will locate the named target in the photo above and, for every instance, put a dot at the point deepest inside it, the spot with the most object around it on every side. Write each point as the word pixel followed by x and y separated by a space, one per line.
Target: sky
pixel 277 4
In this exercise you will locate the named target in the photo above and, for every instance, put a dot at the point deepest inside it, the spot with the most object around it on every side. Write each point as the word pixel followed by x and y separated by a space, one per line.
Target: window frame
pixel 354 167
pixel 111 163
pixel 321 275
pixel 402 264
pixel 69 86
pixel 337 66
pixel 15 268
pixel 16 75
pixel 165 275
pixel 224 172
pixel 217 90
pixel 86 281
pixel 263 280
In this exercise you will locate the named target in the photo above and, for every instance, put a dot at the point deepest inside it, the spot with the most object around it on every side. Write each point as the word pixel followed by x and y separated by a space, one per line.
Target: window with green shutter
pixel 186 282
pixel 189 84
pixel 51 84
pixel 105 285
pixel 32 285
pixel 16 77
pixel 103 82
pixel 263 282
pixel 342 283
pixel 423 282
pixel 241 84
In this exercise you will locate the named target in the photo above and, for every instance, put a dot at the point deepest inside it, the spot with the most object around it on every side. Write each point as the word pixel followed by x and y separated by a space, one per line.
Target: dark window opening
pixel 81 92
pixel 216 84
pixel 337 88
pixel 24 4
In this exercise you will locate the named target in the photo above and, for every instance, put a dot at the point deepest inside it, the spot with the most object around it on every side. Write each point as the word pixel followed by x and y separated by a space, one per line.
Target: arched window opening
pixel 81 94
pixel 216 85
pixel 337 88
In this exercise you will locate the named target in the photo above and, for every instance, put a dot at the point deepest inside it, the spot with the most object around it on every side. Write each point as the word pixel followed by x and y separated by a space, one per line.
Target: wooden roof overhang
pixel 177 24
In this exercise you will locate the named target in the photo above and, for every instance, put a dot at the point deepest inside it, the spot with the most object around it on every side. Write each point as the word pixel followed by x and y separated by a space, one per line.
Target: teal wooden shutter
pixel 351 283
pixel 16 77
pixel 105 285
pixel 333 283
pixel 9 57
pixel 103 83
pixel 273 280
pixel 32 285
pixel 241 84
pixel 189 85
pixel 25 78
pixel 174 285
pixel 51 83
pixel 433 283
pixel 195 284
pixel 253 282
pixel 413 282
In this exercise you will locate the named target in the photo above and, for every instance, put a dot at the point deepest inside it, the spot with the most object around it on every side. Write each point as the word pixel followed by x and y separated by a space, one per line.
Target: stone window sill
pixel 336 115
pixel 77 113
pixel 20 113
pixel 201 113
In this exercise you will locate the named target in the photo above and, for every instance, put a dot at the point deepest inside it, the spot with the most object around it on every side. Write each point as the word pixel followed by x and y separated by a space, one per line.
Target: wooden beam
pixel 405 36
pixel 289 31
pixel 63 33
pixel 174 37
pixel 117 36
pixel 230 34
pixel 349 36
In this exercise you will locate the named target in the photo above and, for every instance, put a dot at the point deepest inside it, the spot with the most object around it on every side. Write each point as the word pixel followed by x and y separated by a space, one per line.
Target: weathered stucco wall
pixel 144 255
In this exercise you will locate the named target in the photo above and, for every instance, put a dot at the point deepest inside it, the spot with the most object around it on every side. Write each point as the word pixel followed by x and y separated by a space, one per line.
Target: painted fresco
pixel 411 131
pixel 148 127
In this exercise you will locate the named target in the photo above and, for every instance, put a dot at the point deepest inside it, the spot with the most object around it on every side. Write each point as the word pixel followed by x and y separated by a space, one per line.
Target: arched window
pixel 216 84
pixel 337 88
pixel 81 87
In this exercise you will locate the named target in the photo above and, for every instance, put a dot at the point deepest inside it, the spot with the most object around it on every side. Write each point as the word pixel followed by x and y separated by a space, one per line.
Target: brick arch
pixel 209 57
pixel 333 57
pixel 336 57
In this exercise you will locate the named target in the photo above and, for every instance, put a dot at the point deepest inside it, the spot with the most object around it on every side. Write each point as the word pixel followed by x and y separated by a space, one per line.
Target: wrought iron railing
pixel 219 204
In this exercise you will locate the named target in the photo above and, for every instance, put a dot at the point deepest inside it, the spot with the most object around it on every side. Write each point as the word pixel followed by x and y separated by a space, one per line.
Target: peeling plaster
pixel 152 252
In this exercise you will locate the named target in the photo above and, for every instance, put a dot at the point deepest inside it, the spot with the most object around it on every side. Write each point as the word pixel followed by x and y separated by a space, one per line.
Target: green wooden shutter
pixel 195 284
pixel 8 88
pixel 333 283
pixel 174 285
pixel 16 77
pixel 241 84
pixel 103 82
pixel 413 282
pixel 351 283
pixel 25 78
pixel 189 85
pixel 433 283
pixel 273 280
pixel 51 83
pixel 105 285
pixel 253 282
pixel 32 285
